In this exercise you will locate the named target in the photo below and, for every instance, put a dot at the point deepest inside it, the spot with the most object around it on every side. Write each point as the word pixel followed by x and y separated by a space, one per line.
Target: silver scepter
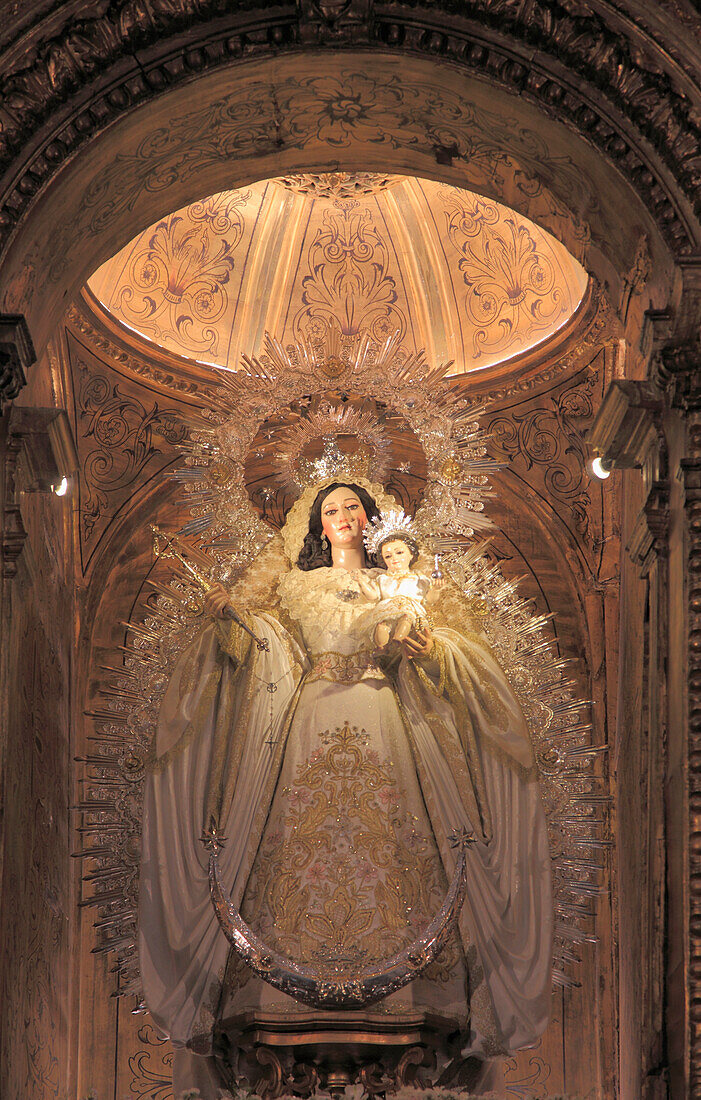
pixel 437 575
pixel 172 547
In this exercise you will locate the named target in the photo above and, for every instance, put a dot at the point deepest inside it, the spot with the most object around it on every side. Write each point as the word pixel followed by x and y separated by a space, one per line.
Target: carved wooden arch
pixel 122 139
pixel 632 92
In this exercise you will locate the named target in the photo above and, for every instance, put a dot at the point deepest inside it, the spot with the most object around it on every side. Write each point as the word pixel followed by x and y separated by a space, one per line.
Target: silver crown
pixel 332 463
pixel 393 524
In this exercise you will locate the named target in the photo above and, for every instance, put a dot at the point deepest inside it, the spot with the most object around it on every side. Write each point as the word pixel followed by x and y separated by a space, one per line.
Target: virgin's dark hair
pixel 312 555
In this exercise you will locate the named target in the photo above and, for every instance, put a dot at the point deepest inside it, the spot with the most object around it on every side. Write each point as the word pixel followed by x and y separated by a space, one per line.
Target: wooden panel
pixel 37 901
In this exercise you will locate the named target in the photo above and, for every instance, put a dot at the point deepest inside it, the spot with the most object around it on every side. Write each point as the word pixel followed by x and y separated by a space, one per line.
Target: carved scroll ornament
pixel 617 97
pixel 16 355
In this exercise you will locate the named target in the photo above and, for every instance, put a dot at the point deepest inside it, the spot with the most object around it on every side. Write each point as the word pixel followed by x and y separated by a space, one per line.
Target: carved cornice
pixel 49 451
pixel 137 356
pixel 568 352
pixel 627 430
pixel 16 355
pixel 69 85
pixel 678 373
pixel 662 32
pixel 628 433
pixel 39 451
pixel 649 538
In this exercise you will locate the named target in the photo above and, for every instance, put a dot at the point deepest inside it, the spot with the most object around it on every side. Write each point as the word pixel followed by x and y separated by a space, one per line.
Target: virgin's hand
pixel 216 600
pixel 418 644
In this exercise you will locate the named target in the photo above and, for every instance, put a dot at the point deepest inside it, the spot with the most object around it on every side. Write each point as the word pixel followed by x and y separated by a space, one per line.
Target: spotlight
pixel 62 488
pixel 600 467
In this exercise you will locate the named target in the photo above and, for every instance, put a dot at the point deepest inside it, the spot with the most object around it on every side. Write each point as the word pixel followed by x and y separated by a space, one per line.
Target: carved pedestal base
pixel 298 1055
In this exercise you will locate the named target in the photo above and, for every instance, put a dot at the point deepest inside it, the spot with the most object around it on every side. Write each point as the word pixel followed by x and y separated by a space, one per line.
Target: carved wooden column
pixel 692 498
pixel 39 452
pixel 12 532
pixel 635 427
pixel 38 623
pixel 682 367
pixel 628 433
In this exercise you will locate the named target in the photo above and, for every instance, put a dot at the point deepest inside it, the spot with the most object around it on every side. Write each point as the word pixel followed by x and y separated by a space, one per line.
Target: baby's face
pixel 397 556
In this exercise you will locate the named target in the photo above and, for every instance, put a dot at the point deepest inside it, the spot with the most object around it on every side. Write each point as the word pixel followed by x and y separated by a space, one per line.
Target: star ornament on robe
pixel 460 838
pixel 213 839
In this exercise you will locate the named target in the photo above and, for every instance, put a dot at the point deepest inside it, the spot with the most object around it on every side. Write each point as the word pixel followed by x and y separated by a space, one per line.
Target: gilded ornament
pixel 451 471
pixel 333 367
pixel 338 185
pixel 332 463
pixel 392 524
pixel 370 983
pixel 220 473
pixel 328 421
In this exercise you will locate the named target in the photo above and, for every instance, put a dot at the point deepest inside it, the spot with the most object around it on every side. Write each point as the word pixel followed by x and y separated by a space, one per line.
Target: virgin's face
pixel 397 556
pixel 343 518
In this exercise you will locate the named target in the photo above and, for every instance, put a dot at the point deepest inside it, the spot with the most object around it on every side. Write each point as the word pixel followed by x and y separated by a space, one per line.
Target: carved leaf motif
pixel 349 279
pixel 118 436
pixel 151 1067
pixel 177 285
pixel 549 438
pixel 524 1072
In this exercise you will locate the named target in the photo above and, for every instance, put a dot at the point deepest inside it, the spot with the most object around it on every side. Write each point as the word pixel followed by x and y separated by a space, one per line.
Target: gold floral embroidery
pixel 344 668
pixel 343 877
pixel 437 661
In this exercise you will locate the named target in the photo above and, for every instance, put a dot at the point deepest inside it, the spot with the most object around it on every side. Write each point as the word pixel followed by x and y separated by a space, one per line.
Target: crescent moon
pixel 371 983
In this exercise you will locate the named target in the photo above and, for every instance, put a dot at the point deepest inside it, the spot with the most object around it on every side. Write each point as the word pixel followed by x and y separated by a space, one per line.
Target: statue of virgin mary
pixel 337 775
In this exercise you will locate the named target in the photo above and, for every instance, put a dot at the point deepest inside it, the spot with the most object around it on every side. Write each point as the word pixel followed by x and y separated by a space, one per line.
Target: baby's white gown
pixel 397 594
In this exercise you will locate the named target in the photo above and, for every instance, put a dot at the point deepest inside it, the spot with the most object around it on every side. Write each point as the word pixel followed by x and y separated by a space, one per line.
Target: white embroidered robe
pixel 337 792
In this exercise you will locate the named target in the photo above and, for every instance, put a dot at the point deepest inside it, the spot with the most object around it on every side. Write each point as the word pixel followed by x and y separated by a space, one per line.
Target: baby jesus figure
pixel 401 595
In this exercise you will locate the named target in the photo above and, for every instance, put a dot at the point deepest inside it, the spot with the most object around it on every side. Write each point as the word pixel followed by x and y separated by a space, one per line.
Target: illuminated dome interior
pixel 465 278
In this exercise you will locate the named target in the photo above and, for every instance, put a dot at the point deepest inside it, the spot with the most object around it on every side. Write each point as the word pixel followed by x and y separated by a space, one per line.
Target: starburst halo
pixel 310 382
pixel 315 379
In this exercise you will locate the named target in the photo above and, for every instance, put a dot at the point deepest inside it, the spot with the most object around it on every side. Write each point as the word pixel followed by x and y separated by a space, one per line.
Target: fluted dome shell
pixel 465 278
